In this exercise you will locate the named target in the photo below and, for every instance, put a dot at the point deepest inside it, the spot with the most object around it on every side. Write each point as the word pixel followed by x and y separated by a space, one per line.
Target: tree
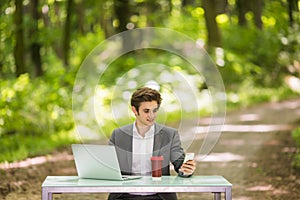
pixel 152 9
pixel 80 17
pixel 67 33
pixel 19 36
pixel 210 14
pixel 292 7
pixel 255 6
pixel 106 20
pixel 122 13
pixel 185 3
pixel 35 45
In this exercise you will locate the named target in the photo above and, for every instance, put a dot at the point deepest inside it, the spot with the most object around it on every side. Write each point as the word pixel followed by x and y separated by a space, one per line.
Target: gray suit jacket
pixel 166 143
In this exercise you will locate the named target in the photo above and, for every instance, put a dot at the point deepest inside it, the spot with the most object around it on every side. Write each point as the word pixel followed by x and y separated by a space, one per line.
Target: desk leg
pixel 46 195
pixel 228 194
pixel 217 195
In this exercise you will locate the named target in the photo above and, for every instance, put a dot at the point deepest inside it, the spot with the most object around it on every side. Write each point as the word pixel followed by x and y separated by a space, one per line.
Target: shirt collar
pixel 149 133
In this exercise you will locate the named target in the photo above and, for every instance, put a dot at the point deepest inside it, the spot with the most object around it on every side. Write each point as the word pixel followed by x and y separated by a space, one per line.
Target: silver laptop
pixel 98 162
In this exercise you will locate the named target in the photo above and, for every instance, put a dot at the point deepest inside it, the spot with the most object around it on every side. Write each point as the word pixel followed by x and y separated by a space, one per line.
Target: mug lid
pixel 157 158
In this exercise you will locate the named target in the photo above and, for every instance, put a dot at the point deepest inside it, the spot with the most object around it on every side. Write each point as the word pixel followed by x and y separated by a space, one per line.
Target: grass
pixel 17 147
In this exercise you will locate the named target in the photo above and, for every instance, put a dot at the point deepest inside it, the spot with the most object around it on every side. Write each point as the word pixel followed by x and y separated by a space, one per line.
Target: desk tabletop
pixel 146 181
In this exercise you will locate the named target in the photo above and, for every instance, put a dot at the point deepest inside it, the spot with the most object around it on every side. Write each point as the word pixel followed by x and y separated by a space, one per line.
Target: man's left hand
pixel 188 168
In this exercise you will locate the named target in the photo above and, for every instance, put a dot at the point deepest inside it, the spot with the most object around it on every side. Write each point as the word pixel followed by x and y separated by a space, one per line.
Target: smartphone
pixel 189 156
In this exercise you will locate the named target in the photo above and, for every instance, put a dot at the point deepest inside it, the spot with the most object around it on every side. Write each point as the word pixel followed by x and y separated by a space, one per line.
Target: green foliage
pixel 296 137
pixel 290 51
pixel 266 56
pixel 83 45
pixel 35 115
pixel 188 22
pixel 18 146
pixel 252 53
pixel 136 59
pixel 34 107
pixel 6 39
pixel 248 94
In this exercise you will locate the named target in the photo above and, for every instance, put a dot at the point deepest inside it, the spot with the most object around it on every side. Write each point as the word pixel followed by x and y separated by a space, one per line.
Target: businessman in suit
pixel 136 143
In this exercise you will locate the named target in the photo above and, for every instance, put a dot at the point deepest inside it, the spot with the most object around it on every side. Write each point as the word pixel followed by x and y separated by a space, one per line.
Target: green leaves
pixel 35 116
pixel 34 107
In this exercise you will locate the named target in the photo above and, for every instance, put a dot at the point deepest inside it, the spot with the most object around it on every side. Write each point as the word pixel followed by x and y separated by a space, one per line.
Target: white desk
pixel 72 184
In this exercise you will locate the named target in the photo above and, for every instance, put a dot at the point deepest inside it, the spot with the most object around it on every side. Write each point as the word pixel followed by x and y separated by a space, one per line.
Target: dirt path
pixel 254 153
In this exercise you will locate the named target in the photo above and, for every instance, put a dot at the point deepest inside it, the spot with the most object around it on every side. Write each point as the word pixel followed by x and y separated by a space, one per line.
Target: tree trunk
pixel 185 3
pixel 58 44
pixel 80 17
pixel 255 6
pixel 67 33
pixel 214 35
pixel 153 7
pixel 122 12
pixel 35 46
pixel 19 35
pixel 242 10
pixel 106 19
pixel 292 7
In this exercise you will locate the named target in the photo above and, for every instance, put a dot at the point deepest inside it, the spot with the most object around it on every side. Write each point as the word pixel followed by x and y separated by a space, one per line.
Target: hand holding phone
pixel 189 156
pixel 186 170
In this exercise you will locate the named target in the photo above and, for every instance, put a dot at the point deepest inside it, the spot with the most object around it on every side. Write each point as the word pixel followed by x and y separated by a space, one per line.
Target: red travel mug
pixel 156 162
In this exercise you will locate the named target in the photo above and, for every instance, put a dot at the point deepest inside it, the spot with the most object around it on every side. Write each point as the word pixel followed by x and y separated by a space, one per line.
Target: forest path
pixel 255 152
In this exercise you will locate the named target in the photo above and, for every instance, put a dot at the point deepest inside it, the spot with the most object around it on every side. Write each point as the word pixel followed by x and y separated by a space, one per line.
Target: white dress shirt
pixel 142 148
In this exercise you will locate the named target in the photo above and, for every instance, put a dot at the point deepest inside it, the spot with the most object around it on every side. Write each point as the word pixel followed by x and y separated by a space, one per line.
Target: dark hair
pixel 145 94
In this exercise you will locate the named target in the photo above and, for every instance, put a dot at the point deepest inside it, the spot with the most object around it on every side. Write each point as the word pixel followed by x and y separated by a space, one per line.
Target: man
pixel 137 142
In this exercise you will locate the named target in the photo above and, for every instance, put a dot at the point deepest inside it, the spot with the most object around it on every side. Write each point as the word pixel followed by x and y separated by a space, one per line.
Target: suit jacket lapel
pixel 157 140
pixel 129 148
pixel 126 148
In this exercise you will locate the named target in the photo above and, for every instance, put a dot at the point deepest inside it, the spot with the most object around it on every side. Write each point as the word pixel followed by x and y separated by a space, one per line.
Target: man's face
pixel 146 114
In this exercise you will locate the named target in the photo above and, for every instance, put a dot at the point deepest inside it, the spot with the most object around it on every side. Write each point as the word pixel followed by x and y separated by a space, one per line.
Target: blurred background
pixel 254 44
